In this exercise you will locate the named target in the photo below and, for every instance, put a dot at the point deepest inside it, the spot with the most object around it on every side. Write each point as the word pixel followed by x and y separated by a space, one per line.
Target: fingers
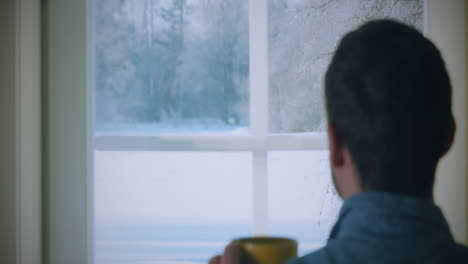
pixel 215 260
pixel 231 255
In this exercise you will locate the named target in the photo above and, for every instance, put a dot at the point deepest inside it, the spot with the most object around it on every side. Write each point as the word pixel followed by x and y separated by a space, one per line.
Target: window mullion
pixel 258 87
pixel 260 192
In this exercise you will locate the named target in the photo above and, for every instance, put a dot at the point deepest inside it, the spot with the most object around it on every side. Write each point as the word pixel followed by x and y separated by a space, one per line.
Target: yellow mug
pixel 266 250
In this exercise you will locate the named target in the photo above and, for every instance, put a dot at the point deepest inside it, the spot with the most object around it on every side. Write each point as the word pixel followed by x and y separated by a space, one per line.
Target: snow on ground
pixel 176 127
pixel 134 186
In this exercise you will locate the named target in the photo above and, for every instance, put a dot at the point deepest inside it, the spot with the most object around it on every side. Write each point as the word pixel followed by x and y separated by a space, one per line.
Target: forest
pixel 163 60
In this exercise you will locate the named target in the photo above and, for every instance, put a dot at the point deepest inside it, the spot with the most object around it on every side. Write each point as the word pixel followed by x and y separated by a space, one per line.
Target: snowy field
pixel 197 126
pixel 182 207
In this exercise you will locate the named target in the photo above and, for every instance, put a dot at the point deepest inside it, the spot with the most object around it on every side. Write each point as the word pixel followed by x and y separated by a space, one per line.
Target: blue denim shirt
pixel 377 227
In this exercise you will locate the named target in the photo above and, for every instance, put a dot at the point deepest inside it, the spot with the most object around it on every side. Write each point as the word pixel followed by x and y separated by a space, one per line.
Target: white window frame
pixel 69 142
pixel 258 141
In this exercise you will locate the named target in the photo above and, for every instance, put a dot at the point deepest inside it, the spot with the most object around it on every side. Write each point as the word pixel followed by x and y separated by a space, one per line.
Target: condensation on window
pixel 303 203
pixel 302 37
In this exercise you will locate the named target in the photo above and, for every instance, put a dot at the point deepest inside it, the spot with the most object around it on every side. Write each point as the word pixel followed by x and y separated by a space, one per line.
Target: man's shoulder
pixel 354 251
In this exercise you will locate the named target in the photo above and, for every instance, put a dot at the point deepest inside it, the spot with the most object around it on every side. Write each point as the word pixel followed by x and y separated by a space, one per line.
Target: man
pixel 388 100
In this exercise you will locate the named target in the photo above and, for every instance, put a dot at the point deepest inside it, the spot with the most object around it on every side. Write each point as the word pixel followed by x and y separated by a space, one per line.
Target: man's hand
pixel 230 256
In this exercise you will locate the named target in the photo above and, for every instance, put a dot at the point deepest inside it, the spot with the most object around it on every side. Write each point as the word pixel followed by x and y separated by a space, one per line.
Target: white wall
pixel 466 125
pixel 28 125
pixel 20 170
pixel 7 132
pixel 445 25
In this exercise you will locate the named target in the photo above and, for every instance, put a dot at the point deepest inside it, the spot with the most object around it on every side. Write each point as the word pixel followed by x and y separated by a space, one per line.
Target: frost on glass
pixel 169 207
pixel 302 36
pixel 168 66
pixel 303 203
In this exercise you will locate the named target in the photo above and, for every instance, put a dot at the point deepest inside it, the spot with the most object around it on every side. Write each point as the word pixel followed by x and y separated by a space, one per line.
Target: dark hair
pixel 389 96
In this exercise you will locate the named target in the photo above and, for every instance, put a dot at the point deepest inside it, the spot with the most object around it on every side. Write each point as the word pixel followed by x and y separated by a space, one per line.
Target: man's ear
pixel 336 146
pixel 450 138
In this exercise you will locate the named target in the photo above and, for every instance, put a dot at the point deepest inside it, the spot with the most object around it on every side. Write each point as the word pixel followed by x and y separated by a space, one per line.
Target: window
pixel 201 135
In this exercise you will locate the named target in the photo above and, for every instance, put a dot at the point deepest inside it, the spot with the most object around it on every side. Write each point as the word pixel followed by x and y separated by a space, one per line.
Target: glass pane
pixel 303 203
pixel 302 37
pixel 169 207
pixel 171 66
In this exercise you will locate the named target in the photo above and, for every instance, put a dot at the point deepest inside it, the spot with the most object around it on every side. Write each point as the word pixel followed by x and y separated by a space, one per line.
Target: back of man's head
pixel 389 96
